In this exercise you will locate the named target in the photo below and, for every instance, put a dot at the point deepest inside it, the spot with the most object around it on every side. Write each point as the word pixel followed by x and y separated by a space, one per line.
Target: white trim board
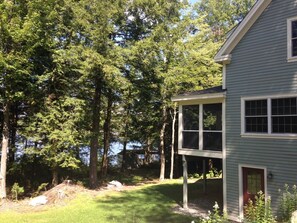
pixel 289 40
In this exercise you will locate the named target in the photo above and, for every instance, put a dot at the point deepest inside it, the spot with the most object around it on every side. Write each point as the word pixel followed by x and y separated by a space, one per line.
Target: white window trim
pixel 200 131
pixel 240 177
pixel 269 134
pixel 289 40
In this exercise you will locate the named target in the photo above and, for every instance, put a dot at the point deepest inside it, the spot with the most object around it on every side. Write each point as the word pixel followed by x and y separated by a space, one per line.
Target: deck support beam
pixel 185 183
pixel 204 177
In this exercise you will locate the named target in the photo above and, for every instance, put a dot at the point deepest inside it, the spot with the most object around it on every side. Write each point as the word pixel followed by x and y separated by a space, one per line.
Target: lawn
pixel 148 203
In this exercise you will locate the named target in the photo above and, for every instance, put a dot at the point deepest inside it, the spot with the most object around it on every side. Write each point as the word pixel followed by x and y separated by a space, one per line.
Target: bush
pixel 259 211
pixel 215 216
pixel 288 202
pixel 16 190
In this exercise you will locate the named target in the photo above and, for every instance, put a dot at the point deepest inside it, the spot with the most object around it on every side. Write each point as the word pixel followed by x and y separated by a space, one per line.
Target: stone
pixel 114 183
pixel 36 201
pixel 294 217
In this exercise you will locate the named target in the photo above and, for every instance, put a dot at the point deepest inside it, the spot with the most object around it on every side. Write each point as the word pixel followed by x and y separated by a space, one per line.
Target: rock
pixel 114 183
pixel 40 200
pixel 294 217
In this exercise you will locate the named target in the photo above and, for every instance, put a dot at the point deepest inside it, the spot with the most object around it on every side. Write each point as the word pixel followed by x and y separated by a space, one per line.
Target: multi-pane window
pixel 284 115
pixel 256 116
pixel 294 37
pixel 272 116
pixel 190 126
pixel 210 130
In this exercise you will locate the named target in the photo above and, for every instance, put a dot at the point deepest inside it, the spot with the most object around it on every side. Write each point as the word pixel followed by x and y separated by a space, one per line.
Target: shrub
pixel 215 216
pixel 16 190
pixel 288 202
pixel 259 211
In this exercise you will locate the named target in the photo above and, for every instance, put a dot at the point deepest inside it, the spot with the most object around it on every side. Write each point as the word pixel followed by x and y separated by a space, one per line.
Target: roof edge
pixel 198 97
pixel 223 54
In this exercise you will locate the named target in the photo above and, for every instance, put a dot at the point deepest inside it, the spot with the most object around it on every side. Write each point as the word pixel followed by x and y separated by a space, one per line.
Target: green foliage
pixel 41 187
pixel 16 190
pixel 259 211
pixel 215 216
pixel 288 202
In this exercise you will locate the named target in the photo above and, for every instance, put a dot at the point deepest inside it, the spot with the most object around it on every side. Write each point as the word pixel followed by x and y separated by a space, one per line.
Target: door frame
pixel 240 174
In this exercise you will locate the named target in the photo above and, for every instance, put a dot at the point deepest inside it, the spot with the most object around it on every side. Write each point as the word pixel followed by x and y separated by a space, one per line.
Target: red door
pixel 253 182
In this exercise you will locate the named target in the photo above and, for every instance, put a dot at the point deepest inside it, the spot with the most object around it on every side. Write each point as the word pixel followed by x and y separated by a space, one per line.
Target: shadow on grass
pixel 154 203
pixel 149 204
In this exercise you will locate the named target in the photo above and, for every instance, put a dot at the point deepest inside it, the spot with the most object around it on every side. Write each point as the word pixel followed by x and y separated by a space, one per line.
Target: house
pixel 250 122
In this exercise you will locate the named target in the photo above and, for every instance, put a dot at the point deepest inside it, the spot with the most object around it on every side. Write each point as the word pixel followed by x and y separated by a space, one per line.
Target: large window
pixel 212 126
pixel 190 126
pixel 284 115
pixel 292 39
pixel 202 126
pixel 256 116
pixel 271 116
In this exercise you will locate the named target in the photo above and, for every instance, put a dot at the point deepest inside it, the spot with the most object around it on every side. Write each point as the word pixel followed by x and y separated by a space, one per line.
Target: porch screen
pixel 190 126
pixel 212 127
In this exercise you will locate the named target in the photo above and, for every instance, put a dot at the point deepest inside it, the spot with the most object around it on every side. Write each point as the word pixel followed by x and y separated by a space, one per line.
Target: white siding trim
pixel 182 98
pixel 289 40
pixel 224 157
pixel 200 139
pixel 201 153
pixel 180 126
pixel 224 77
pixel 240 177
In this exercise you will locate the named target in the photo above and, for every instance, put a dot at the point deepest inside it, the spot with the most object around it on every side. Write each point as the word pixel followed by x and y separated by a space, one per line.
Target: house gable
pixel 224 54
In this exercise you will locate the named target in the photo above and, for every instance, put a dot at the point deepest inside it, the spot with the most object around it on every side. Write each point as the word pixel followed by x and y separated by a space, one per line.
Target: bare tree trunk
pixel 13 129
pixel 147 152
pixel 124 155
pixel 94 145
pixel 5 138
pixel 173 142
pixel 55 179
pixel 124 164
pixel 107 122
pixel 162 144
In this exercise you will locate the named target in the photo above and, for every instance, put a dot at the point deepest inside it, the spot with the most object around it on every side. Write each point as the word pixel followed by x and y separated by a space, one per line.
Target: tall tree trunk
pixel 124 164
pixel 55 175
pixel 94 145
pixel 5 138
pixel 13 130
pixel 162 144
pixel 107 122
pixel 124 155
pixel 173 142
pixel 147 152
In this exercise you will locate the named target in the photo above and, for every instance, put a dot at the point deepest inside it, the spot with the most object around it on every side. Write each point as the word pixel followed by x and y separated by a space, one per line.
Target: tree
pixel 17 35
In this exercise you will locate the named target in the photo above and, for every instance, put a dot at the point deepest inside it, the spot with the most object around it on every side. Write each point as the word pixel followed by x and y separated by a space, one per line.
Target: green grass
pixel 150 204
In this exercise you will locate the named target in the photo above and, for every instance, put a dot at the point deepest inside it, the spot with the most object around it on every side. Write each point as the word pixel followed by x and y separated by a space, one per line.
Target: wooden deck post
pixel 204 176
pixel 185 183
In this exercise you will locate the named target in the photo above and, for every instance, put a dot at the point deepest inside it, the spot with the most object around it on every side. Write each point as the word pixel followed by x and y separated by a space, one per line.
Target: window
pixel 212 126
pixel 292 39
pixel 190 126
pixel 284 115
pixel 270 116
pixel 256 116
pixel 206 135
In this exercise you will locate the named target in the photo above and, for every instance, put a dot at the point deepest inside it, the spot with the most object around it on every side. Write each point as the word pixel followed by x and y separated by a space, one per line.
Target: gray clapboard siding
pixel 259 67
